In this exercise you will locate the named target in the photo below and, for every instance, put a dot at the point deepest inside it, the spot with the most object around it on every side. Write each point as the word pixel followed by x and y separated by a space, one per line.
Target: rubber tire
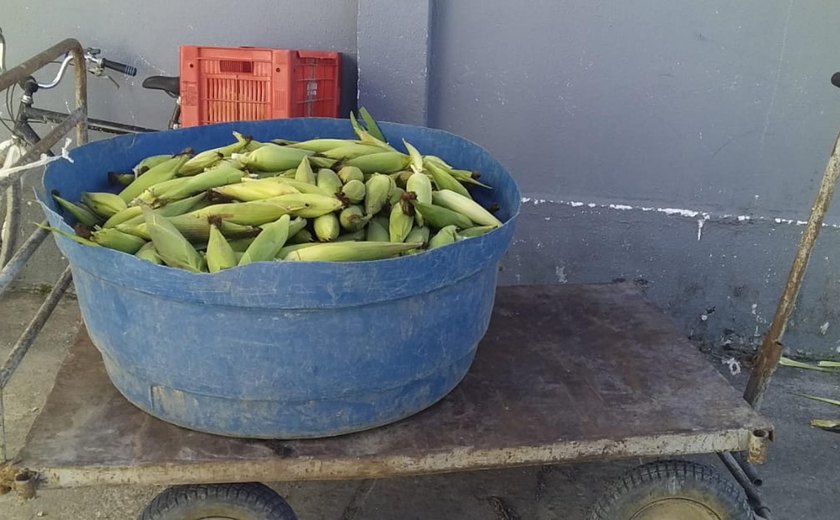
pixel 672 479
pixel 249 501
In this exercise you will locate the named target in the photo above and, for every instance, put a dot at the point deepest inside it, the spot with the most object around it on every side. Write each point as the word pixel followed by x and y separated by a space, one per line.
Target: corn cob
pixel 240 245
pixel 415 156
pixel 208 158
pixel 353 191
pixel 113 238
pixel 444 180
pixel 272 157
pixel 400 221
pixel 319 161
pixel 82 214
pixel 465 206
pixel 376 232
pixel 148 253
pixel 351 151
pixel 304 172
pixel 284 252
pixel 445 236
pixel 268 243
pixel 193 228
pixel 201 182
pixel 129 213
pixel 220 254
pixel 349 251
pixel 250 213
pixel 382 162
pixel 123 179
pixel 476 231
pixel 464 176
pixel 401 177
pixel 352 218
pixel 301 237
pixel 439 217
pixel 302 187
pixel 418 234
pixel 162 172
pixel 148 163
pixel 179 207
pixel 352 236
pixel 326 227
pixel 420 185
pixel 249 190
pixel 321 145
pixel 171 246
pixel 296 225
pixel 378 190
pixel 328 180
pixel 307 205
pixel 105 205
pixel 396 196
pixel 133 215
pixel 349 173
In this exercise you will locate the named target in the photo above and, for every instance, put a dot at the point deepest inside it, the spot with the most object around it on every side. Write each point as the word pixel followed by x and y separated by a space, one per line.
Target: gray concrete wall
pixel 721 108
pixel 147 35
pixel 675 145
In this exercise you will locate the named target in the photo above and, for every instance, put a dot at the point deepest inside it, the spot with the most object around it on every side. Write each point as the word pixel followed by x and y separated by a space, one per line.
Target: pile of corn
pixel 318 200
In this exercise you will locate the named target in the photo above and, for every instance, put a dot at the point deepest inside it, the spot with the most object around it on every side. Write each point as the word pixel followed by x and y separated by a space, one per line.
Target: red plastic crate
pixel 221 84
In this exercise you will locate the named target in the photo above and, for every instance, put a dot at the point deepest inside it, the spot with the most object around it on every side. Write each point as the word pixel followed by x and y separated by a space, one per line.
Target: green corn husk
pixel 171 246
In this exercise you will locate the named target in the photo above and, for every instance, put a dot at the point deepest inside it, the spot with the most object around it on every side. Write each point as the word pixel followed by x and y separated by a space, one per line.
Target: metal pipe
pixel 749 470
pixel 10 223
pixel 753 494
pixel 81 93
pixel 43 146
pixel 27 249
pixel 771 348
pixel 2 52
pixel 3 455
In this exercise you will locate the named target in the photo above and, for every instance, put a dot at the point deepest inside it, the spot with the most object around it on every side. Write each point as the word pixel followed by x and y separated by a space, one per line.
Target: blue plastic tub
pixel 285 350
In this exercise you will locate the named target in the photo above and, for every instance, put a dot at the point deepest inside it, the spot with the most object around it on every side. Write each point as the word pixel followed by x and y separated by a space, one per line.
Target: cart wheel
pixel 253 501
pixel 672 490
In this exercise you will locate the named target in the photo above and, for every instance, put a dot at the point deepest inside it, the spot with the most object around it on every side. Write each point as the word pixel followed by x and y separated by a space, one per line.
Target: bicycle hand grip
pixel 128 70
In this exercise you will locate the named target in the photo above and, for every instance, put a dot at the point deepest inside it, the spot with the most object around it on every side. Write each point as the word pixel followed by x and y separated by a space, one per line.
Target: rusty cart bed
pixel 565 373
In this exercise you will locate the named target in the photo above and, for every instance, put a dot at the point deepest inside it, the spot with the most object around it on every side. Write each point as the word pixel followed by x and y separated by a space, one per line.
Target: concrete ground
pixel 800 477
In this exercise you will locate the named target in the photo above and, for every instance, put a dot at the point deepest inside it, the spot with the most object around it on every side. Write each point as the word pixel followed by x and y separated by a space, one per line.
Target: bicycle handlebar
pixel 97 64
pixel 128 70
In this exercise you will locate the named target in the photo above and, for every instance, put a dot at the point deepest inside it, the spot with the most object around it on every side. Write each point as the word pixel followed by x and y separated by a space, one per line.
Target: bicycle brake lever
pixel 112 80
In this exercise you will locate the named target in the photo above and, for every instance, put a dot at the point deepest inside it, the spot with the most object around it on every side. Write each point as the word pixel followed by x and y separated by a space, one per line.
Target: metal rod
pixel 749 470
pixel 753 494
pixel 44 145
pixel 10 223
pixel 28 337
pixel 3 455
pixel 27 249
pixel 771 348
pixel 81 93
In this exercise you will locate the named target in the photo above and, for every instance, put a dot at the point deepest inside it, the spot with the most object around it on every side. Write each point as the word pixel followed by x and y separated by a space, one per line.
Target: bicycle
pixel 23 136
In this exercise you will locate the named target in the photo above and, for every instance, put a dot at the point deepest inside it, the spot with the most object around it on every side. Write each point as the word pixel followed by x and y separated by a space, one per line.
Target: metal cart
pixel 565 374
